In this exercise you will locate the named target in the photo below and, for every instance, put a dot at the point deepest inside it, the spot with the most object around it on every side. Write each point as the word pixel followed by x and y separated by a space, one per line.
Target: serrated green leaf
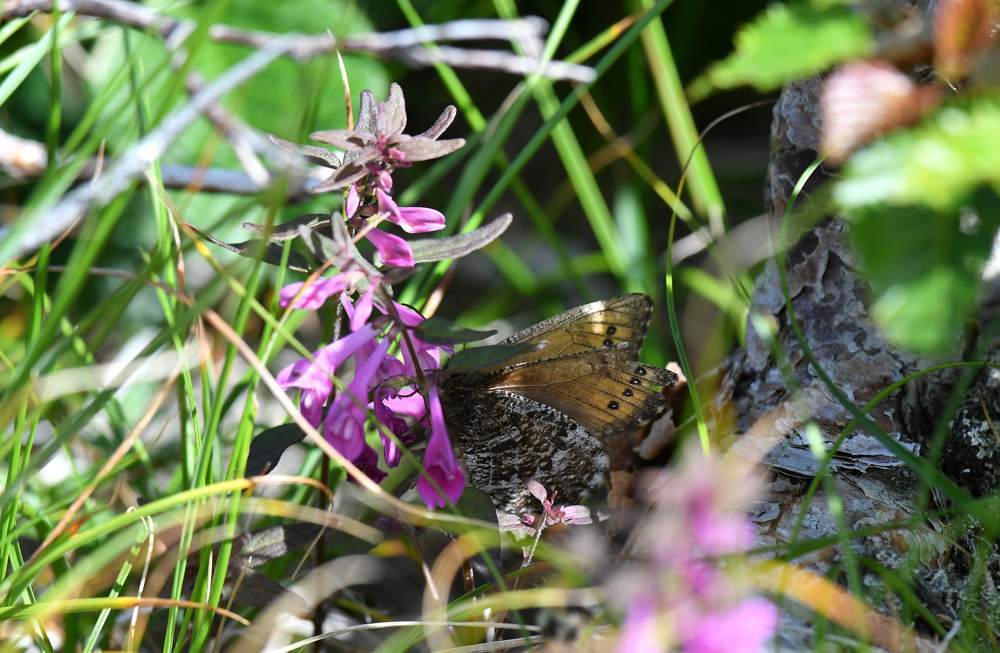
pixel 936 163
pixel 925 267
pixel 440 331
pixel 785 43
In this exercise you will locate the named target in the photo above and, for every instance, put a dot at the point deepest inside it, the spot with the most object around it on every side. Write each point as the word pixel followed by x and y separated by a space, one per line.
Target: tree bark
pixel 950 570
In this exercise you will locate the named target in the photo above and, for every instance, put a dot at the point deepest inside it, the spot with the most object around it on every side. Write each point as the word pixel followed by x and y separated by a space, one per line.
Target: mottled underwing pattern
pixel 542 413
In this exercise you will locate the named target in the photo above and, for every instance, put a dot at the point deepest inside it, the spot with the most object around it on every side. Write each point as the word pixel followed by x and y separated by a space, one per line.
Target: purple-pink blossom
pixel 314 378
pixel 412 219
pixel 344 426
pixel 640 631
pixel 440 463
pixel 317 292
pixel 743 628
pixel 679 597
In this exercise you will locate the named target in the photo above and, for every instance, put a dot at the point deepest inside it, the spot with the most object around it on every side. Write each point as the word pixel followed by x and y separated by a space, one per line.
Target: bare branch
pixel 406 44
pixel 39 226
pixel 22 158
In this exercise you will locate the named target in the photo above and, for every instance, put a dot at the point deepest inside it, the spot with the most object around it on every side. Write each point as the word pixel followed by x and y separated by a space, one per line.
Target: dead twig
pixel 406 45
pixel 35 228
pixel 22 158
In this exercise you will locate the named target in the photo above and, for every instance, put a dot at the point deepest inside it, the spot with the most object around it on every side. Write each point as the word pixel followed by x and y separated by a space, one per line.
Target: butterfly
pixel 541 412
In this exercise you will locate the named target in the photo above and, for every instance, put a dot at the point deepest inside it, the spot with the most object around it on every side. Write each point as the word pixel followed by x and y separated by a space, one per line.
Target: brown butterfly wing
pixel 603 391
pixel 506 440
pixel 617 322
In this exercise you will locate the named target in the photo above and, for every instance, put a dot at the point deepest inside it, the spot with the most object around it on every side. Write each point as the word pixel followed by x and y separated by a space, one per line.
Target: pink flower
pixel 314 378
pixel 439 461
pixel 392 250
pixel 398 411
pixel 413 219
pixel 319 290
pixel 744 628
pixel 367 462
pixel 344 426
pixel 570 515
pixel 640 632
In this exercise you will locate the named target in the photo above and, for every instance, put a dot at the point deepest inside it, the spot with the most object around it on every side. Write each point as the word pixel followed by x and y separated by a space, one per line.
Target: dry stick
pixel 406 44
pixel 22 158
pixel 118 177
pixel 119 453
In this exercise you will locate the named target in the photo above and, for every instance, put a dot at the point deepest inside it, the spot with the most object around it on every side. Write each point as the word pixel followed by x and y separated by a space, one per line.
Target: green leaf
pixel 925 267
pixel 440 331
pixel 290 229
pixel 267 447
pixel 788 42
pixel 426 250
pixel 268 252
pixel 476 357
pixel 936 163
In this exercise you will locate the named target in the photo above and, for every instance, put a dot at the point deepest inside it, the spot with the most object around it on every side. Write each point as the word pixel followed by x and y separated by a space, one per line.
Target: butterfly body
pixel 542 413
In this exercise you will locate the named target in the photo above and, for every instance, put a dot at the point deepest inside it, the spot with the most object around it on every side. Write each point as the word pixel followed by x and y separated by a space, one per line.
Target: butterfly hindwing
pixel 617 322
pixel 603 391
pixel 507 440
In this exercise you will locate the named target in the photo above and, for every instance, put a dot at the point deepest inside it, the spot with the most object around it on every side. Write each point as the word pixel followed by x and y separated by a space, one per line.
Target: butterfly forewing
pixel 616 322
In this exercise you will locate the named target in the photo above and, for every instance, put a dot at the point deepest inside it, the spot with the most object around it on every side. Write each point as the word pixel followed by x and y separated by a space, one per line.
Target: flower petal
pixel 419 219
pixel 537 490
pixel 316 374
pixel 344 428
pixel 317 292
pixel 363 309
pixel 439 461
pixel 744 628
pixel 352 202
pixel 392 249
pixel 640 631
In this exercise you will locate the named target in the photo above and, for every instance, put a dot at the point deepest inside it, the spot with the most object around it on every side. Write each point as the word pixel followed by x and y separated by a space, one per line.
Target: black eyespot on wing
pixel 640 371
pixel 613 405
pixel 608 342
pixel 635 380
pixel 612 329
pixel 627 392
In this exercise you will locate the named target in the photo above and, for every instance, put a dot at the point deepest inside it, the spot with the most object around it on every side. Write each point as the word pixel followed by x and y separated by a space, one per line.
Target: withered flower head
pixel 377 145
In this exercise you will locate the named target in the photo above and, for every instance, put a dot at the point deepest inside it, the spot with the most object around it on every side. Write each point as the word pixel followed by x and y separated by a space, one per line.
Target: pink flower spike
pixel 439 461
pixel 344 426
pixel 318 291
pixel 744 628
pixel 640 631
pixel 316 374
pixel 393 250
